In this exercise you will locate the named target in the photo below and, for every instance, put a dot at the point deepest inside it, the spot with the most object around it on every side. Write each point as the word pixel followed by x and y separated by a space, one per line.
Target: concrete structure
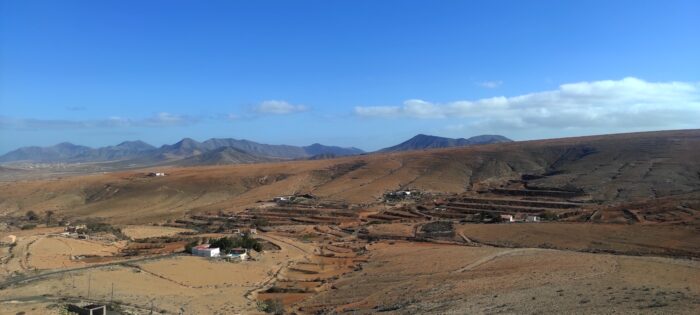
pixel 92 309
pixel 240 253
pixel 532 218
pixel 281 200
pixel 80 228
pixel 205 251
pixel 507 218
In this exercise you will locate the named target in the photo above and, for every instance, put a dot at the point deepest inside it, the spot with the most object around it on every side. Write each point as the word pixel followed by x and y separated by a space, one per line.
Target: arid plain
pixel 617 230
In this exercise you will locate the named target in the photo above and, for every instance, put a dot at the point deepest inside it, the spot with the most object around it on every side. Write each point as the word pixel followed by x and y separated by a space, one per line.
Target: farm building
pixel 507 218
pixel 240 253
pixel 205 251
pixel 91 309
pixel 281 200
pixel 532 218
pixel 81 228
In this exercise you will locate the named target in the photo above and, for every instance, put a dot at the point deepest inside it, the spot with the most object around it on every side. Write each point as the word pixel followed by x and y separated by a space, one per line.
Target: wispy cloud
pixel 162 119
pixel 490 84
pixel 275 107
pixel 629 102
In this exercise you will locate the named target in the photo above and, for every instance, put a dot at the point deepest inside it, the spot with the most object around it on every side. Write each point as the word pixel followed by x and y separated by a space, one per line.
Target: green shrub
pixel 271 306
pixel 28 226
pixel 225 244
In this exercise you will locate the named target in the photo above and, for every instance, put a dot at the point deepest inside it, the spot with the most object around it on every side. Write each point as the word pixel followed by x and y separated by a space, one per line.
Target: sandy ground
pixel 624 238
pixel 16 259
pixel 59 252
pixel 198 285
pixel 406 278
pixel 392 229
pixel 146 231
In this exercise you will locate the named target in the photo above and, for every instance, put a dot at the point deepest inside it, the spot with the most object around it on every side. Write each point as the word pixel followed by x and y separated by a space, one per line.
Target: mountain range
pixel 422 142
pixel 217 151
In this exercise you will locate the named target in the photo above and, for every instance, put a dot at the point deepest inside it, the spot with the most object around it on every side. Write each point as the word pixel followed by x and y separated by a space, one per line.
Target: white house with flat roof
pixel 206 251
pixel 507 218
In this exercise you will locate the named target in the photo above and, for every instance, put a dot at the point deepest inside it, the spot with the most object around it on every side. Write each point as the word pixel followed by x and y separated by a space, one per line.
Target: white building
pixel 205 251
pixel 282 200
pixel 240 253
pixel 532 218
pixel 507 218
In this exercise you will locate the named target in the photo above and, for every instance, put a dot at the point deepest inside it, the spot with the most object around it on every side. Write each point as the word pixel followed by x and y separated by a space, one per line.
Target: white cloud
pixel 279 108
pixel 383 111
pixel 490 84
pixel 629 102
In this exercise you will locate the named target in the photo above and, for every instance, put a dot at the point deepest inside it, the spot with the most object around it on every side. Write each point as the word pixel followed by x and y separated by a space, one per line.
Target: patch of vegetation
pixel 190 245
pixel 28 226
pixel 32 216
pixel 100 227
pixel 271 306
pixel 258 222
pixel 438 227
pixel 226 244
pixel 549 216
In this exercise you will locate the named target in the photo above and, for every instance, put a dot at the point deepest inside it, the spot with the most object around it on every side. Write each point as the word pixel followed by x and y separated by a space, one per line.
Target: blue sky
pixel 353 73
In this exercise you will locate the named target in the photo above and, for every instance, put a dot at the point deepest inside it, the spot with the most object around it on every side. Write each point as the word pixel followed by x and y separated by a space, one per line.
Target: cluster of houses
pixel 76 231
pixel 156 174
pixel 205 250
pixel 519 218
pixel 401 194
pixel 284 200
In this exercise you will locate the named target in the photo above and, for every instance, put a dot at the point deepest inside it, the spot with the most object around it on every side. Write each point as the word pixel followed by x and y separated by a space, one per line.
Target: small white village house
pixel 532 218
pixel 240 253
pixel 507 218
pixel 205 251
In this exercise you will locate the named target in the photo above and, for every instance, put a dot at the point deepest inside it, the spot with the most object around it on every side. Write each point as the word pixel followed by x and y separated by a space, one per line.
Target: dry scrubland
pixel 633 248
pixel 410 278
pixel 613 169
pixel 198 285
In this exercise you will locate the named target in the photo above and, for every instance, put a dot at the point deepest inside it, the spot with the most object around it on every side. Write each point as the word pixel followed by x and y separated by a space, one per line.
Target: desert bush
pixel 32 216
pixel 271 306
pixel 190 245
pixel 100 227
pixel 225 244
pixel 28 226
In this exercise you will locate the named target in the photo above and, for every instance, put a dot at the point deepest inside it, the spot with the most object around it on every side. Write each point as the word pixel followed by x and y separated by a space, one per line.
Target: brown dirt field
pixel 56 252
pixel 200 285
pixel 146 231
pixel 410 278
pixel 392 230
pixel 622 238
pixel 16 259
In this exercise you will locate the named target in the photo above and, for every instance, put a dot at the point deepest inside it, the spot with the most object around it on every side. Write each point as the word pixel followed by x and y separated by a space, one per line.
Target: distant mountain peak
pixel 215 150
pixel 423 141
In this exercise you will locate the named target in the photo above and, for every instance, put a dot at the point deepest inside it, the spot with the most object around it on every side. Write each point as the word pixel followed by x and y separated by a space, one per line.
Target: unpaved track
pixel 27 279
pixel 488 258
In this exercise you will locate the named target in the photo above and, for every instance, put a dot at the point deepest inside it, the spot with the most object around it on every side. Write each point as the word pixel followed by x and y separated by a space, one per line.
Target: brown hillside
pixel 612 170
